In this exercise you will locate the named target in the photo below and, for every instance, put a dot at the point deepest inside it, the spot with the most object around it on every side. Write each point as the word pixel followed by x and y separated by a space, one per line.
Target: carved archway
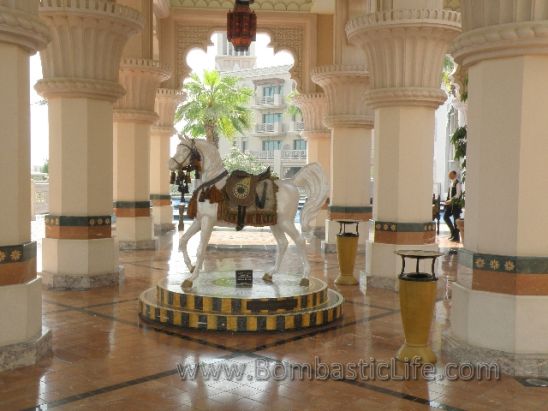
pixel 292 32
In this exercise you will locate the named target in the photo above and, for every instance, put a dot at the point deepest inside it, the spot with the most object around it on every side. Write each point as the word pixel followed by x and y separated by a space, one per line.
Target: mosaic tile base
pixel 215 303
pixel 217 292
pixel 151 311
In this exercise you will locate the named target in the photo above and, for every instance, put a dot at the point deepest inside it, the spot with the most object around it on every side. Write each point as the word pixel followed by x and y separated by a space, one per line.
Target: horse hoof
pixel 267 278
pixel 192 268
pixel 186 284
pixel 305 282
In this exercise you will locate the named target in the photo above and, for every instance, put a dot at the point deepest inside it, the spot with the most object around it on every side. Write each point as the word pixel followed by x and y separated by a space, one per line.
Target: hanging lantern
pixel 241 25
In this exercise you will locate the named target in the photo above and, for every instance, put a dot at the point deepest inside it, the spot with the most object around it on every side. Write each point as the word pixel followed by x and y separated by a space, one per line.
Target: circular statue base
pixel 216 303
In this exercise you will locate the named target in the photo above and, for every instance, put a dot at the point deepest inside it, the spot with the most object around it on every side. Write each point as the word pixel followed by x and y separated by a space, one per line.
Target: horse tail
pixel 312 179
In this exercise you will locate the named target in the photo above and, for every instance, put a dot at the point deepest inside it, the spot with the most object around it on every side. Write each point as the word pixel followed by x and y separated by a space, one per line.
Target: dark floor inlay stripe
pixel 114 387
pixel 376 388
pixel 103 390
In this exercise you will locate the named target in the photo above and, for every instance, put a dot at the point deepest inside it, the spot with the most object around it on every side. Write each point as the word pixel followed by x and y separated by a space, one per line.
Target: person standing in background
pixel 452 206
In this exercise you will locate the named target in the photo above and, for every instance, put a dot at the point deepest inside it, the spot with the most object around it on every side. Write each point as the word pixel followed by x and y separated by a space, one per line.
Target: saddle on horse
pixel 246 199
pixel 247 196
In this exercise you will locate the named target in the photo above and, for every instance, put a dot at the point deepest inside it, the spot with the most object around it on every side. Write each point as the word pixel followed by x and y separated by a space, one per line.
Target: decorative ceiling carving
pixel 268 5
pixel 451 4
pixel 281 38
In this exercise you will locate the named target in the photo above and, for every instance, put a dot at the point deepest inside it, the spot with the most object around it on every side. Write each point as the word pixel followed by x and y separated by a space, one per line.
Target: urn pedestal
pixel 347 247
pixel 417 301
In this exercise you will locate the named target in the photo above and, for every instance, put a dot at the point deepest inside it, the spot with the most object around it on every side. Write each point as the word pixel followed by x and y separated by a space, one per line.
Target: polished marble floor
pixel 105 358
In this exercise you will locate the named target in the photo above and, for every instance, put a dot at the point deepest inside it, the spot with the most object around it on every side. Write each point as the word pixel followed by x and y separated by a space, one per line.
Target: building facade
pixel 275 133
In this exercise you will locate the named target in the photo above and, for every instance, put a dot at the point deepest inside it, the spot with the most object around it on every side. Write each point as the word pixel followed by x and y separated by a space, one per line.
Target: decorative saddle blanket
pixel 246 199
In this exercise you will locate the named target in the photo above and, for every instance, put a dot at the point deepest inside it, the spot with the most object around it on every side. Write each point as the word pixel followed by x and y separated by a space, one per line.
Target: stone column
pixel 405 49
pixel 22 341
pixel 133 117
pixel 160 197
pixel 80 68
pixel 501 295
pixel 313 107
pixel 351 122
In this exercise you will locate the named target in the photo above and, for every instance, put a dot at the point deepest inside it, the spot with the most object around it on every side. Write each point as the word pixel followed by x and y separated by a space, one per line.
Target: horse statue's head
pixel 187 155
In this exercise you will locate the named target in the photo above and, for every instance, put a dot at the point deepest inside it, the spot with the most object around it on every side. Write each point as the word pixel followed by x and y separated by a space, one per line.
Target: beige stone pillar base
pixel 319 224
pixel 135 233
pixel 24 341
pixel 80 264
pixel 506 329
pixel 25 353
pixel 162 217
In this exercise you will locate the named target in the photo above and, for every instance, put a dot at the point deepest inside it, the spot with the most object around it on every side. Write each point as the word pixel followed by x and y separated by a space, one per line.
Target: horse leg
pixel 289 228
pixel 282 243
pixel 207 227
pixel 193 229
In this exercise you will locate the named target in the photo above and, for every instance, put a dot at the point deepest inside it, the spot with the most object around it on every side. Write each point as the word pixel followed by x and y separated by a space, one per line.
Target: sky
pixel 198 60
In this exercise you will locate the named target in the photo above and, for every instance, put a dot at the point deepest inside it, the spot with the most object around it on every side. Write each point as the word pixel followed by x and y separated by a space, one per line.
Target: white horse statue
pixel 310 178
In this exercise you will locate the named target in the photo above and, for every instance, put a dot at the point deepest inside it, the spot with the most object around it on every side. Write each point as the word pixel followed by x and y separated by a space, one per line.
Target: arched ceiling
pixel 315 6
pixel 312 6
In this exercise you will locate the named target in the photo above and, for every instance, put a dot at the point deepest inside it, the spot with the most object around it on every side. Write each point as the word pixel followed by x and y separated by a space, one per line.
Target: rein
pixel 212 181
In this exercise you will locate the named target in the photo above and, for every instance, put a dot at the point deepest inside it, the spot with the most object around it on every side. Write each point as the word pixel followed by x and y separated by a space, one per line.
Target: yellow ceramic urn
pixel 347 248
pixel 417 302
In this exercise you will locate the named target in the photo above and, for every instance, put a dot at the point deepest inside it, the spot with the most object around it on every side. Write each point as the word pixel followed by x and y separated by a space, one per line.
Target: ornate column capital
pixel 84 56
pixel 141 79
pixel 20 25
pixel 507 28
pixel 405 49
pixel 167 100
pixel 313 107
pixel 344 87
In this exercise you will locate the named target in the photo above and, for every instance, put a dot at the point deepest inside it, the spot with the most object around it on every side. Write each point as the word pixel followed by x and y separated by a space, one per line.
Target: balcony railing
pixel 263 155
pixel 275 100
pixel 296 126
pixel 269 128
pixel 293 154
pixel 284 154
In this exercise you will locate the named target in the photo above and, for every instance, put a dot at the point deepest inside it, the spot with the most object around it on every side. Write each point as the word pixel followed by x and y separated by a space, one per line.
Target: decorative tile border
pixel 78 227
pixel 17 263
pixel 297 320
pixel 503 263
pixel 159 200
pixel 506 274
pixel 17 253
pixel 388 232
pixel 349 213
pixel 132 208
pixel 404 227
pixel 236 306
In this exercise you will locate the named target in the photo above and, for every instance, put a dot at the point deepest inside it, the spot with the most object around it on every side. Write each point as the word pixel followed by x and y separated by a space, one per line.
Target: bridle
pixel 182 176
pixel 193 154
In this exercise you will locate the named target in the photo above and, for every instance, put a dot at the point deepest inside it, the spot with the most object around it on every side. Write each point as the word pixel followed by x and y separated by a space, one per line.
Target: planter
pixel 347 248
pixel 460 226
pixel 417 301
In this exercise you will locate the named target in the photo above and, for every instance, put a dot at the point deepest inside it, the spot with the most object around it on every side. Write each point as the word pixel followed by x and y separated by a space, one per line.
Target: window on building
pixel 269 91
pixel 271 118
pixel 271 145
pixel 244 146
pixel 299 144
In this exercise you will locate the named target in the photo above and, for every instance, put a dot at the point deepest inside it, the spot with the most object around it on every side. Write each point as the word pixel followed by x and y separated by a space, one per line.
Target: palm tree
pixel 215 106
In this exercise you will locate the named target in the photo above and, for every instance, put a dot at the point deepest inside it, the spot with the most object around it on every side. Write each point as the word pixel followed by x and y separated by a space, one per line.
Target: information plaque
pixel 244 278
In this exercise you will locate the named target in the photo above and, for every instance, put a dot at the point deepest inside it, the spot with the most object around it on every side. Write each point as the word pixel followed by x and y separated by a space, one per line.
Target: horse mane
pixel 210 155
